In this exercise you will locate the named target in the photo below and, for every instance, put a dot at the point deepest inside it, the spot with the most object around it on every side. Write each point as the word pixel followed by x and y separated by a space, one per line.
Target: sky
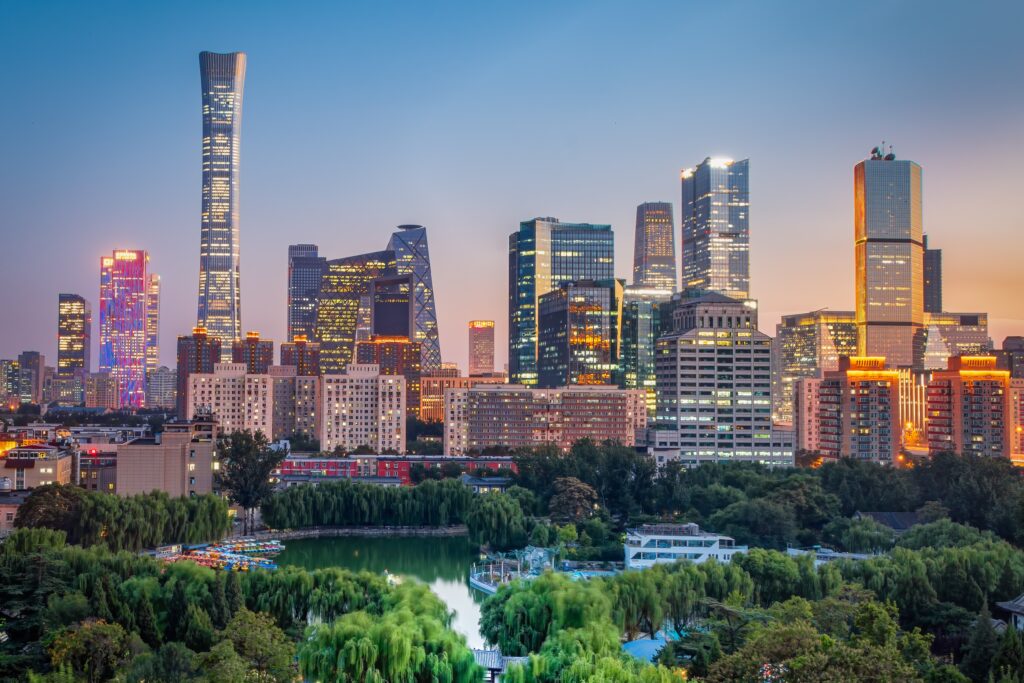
pixel 470 117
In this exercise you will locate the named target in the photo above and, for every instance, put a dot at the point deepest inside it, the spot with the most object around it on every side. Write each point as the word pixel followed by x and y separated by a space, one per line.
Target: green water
pixel 442 563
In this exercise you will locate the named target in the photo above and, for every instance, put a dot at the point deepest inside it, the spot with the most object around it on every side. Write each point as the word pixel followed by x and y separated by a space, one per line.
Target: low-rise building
pixel 653 544
pixel 180 461
pixel 32 466
pixel 302 468
pixel 10 500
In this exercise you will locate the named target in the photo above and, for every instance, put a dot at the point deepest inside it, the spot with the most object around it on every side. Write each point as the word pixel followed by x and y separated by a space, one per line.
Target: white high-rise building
pixel 235 398
pixel 363 408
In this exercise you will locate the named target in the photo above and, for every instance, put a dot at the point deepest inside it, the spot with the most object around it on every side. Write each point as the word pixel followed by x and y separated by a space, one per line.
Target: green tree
pixel 1009 658
pixel 198 634
pixel 94 650
pixel 980 651
pixel 572 500
pixel 53 506
pixel 496 519
pixel 233 593
pixel 171 663
pixel 261 645
pixel 148 630
pixel 222 664
pixel 246 463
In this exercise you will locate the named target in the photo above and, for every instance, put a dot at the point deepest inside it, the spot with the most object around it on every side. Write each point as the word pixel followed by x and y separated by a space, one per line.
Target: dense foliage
pixel 124 523
pixel 347 503
pixel 74 614
pixel 246 463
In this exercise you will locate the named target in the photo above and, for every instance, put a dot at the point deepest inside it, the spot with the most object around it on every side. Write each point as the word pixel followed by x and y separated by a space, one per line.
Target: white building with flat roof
pixel 653 544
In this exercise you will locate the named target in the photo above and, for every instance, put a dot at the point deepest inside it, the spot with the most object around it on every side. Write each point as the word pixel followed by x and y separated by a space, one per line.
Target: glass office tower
pixel 889 259
pixel 305 268
pixel 716 228
pixel 481 347
pixel 545 254
pixel 220 293
pixel 409 243
pixel 123 287
pixel 932 279
pixel 654 249
pixel 74 335
pixel 578 334
pixel 153 322
pixel 344 311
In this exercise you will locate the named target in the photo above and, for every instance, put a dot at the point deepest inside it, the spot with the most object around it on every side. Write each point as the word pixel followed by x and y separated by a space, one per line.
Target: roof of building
pixel 897 521
pixel 1015 606
pixel 493 660
pixel 470 480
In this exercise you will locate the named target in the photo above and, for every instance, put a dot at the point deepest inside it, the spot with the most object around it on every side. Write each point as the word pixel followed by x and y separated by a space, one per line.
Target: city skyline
pixel 349 223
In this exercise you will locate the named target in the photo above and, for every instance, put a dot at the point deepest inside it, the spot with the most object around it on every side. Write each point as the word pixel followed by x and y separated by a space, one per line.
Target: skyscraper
pixel 74 337
pixel 220 294
pixel 543 255
pixel 716 227
pixel 807 345
pixel 153 322
pixel 889 259
pixel 344 302
pixel 640 328
pixel 123 314
pixel 970 409
pixel 409 244
pixel 481 347
pixel 932 278
pixel 303 355
pixel 197 353
pixel 31 372
pixel 256 354
pixel 395 356
pixel 654 251
pixel 305 269
pixel 578 334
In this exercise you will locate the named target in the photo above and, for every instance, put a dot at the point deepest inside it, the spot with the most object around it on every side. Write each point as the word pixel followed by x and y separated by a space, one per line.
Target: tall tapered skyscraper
pixel 74 334
pixel 654 251
pixel 716 227
pixel 889 245
pixel 220 293
pixel 305 270
pixel 153 322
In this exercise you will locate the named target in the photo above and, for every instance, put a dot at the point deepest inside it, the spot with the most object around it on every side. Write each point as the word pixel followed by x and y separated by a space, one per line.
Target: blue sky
pixel 469 117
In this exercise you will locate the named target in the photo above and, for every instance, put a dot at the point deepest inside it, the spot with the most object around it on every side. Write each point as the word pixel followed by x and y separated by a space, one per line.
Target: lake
pixel 440 562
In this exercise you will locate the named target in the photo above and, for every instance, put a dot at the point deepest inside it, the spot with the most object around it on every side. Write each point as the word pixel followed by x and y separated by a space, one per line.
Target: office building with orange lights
pixel 197 353
pixel 124 283
pixel 303 355
pixel 654 248
pixel 858 411
pixel 970 409
pixel 433 388
pixel 101 391
pixel 153 322
pixel 395 356
pixel 481 347
pixel 74 335
pixel 889 247
pixel 256 354
pixel 1017 419
pixel 305 269
pixel 579 334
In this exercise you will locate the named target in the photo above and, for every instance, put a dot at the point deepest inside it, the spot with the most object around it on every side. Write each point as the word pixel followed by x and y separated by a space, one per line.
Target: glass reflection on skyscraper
pixel 123 285
pixel 305 268
pixel 716 227
pixel 545 254
pixel 889 259
pixel 654 251
pixel 412 257
pixel 220 294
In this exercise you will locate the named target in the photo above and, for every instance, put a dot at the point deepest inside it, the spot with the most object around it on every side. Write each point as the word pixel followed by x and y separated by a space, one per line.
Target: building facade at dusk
pixel 220 289
pixel 654 248
pixel 152 322
pixel 101 391
pixel 516 416
pixel 807 345
pixel 235 398
pixel 303 355
pixel 363 408
pixel 481 347
pixel 969 408
pixel 161 388
pixel 715 222
pixel 305 269
pixel 545 254
pixel 889 246
pixel 433 388
pixel 858 411
pixel 123 286
pixel 412 258
pixel 578 334
pixel 640 327
pixel 197 353
pixel 395 356
pixel 932 279
pixel 713 374
pixel 74 340
pixel 256 354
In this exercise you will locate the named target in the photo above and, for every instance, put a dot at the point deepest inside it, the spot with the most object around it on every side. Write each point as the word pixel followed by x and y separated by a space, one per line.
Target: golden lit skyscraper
pixel 889 259
pixel 74 333
pixel 654 251
pixel 481 347
pixel 220 294
pixel 153 322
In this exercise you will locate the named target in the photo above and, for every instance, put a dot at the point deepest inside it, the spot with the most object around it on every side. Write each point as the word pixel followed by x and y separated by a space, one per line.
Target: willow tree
pixel 246 463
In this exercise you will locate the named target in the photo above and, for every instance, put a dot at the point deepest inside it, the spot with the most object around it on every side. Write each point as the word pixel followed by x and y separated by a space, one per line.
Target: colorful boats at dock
pixel 240 555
